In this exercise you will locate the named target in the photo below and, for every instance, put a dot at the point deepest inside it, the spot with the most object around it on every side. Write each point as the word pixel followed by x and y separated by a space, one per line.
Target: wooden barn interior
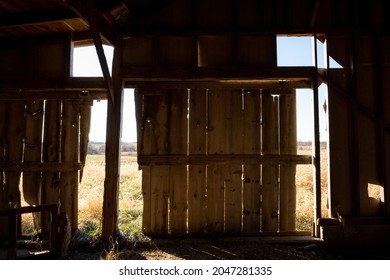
pixel 215 113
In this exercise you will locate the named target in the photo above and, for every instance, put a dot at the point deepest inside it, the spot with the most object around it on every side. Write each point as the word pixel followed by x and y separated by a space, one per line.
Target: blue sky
pixel 291 51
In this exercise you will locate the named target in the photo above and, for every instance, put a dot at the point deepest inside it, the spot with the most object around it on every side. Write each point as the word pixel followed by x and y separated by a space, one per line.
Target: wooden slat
pixel 69 180
pixel 233 184
pixel 14 150
pixel 51 154
pixel 32 151
pixel 197 173
pixel 217 174
pixel 85 126
pixel 270 172
pixel 159 199
pixel 3 200
pixel 178 134
pixel 147 200
pixel 155 119
pixel 288 145
pixel 386 186
pixel 251 178
pixel 224 159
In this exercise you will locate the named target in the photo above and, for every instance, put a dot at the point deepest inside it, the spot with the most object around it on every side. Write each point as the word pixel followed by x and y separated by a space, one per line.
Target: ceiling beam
pixel 103 26
pixel 36 17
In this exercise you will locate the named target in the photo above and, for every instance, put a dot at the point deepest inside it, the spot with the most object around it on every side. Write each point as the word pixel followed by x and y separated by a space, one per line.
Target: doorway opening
pixel 307 51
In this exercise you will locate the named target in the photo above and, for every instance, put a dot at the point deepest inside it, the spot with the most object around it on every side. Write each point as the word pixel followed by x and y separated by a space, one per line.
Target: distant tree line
pixel 98 148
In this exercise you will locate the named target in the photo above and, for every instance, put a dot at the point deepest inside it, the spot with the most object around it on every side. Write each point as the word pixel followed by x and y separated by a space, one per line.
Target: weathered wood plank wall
pixel 44 129
pixel 61 141
pixel 216 197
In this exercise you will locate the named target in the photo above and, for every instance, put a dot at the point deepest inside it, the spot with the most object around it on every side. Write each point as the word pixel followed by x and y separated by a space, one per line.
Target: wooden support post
pixel 113 143
pixel 288 146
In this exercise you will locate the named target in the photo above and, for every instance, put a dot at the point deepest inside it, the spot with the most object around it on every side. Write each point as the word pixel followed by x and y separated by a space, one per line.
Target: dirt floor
pixel 223 249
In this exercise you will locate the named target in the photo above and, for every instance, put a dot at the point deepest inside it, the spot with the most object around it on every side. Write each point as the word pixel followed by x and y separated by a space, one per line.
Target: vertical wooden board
pixel 178 200
pixel 196 199
pixel 233 183
pixel 215 14
pixel 216 176
pixel 197 173
pixel 175 51
pixel 85 126
pixel 177 144
pixel 386 94
pixel 364 69
pixel 197 122
pixel 14 57
pixel 14 148
pixel 369 171
pixel 270 172
pixel 248 13
pixel 70 153
pixel 52 57
pixel 147 200
pixel 51 153
pixel 342 195
pixel 386 185
pixel 256 51
pixel 224 137
pixel 219 128
pixel 138 104
pixel 178 121
pixel 251 178
pixel 288 146
pixel 183 15
pixel 159 199
pixel 32 151
pixel 3 200
pixel 233 199
pixel 156 142
pixel 215 51
pixel 138 51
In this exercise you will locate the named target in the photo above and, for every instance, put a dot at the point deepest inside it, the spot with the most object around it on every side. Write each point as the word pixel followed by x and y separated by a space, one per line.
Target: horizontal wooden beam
pixel 30 209
pixel 53 95
pixel 72 83
pixel 215 73
pixel 276 85
pixel 40 166
pixel 222 159
pixel 70 88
